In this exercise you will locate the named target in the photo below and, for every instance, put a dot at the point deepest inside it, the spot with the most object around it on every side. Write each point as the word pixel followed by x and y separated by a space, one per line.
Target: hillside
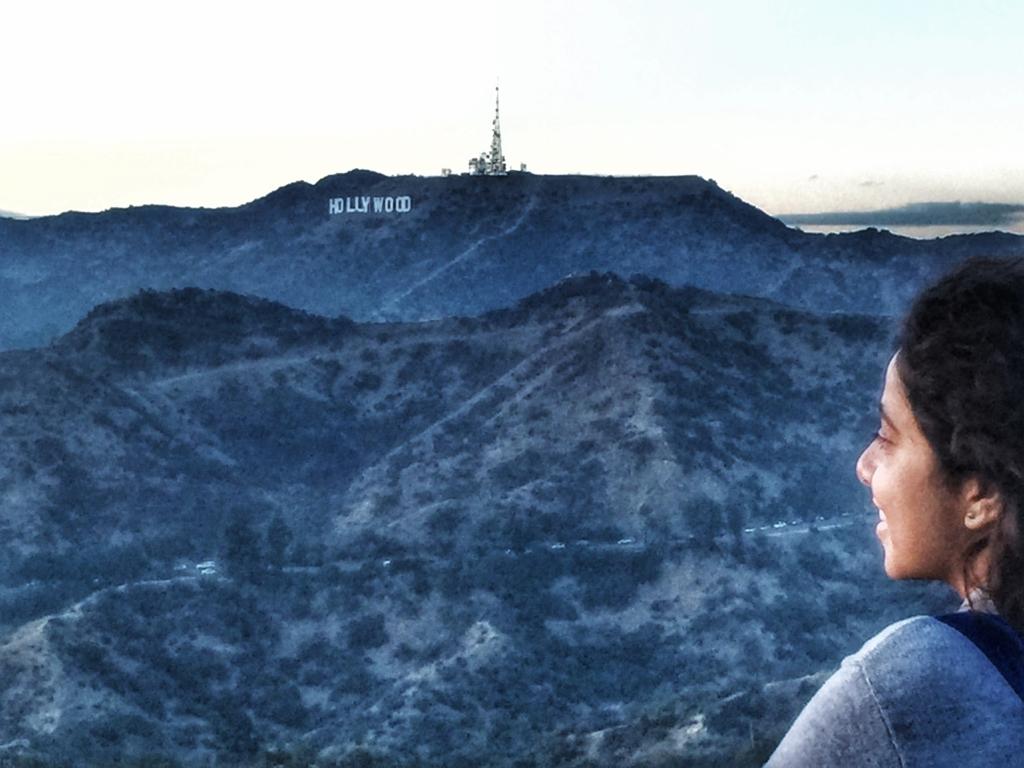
pixel 615 524
pixel 465 246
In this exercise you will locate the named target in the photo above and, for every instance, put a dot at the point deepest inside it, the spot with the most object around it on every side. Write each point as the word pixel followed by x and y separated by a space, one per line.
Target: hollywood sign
pixel 367 204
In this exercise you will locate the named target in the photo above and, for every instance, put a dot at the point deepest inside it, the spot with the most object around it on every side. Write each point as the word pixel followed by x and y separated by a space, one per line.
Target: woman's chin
pixel 892 569
pixel 900 572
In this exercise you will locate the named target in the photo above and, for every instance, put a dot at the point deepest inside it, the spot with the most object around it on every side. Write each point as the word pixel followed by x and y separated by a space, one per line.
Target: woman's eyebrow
pixel 885 417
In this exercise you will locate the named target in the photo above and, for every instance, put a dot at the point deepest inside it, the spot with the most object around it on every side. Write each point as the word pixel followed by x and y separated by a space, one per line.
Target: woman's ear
pixel 983 505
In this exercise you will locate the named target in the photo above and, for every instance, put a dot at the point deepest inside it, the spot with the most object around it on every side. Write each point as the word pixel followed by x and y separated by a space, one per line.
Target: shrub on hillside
pixel 367 632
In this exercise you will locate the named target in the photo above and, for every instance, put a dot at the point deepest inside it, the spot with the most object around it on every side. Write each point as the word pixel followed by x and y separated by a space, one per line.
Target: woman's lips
pixel 883 526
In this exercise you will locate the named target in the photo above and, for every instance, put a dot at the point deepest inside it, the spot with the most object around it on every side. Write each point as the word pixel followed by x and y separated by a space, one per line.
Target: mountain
pixel 12 215
pixel 466 245
pixel 613 524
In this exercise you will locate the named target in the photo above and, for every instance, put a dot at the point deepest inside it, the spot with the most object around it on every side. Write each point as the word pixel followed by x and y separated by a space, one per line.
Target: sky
pixel 797 107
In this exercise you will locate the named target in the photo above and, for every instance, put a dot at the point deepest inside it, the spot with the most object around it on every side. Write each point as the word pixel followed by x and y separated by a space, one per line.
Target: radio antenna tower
pixel 496 167
pixel 491 163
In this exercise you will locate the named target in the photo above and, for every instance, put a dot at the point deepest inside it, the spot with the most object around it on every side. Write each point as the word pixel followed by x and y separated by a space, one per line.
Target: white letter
pixel 366 205
pixel 334 205
pixel 378 203
pixel 403 204
pixel 389 204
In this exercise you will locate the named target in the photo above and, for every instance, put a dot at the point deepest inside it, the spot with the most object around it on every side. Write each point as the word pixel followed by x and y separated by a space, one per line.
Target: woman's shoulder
pixel 919 642
pixel 925 657
pixel 916 633
pixel 917 693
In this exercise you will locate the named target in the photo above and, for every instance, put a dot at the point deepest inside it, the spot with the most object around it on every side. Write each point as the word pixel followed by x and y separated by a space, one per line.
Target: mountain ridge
pixel 466 245
pixel 525 535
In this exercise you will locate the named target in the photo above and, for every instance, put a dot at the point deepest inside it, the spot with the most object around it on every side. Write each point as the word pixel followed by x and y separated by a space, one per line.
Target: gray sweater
pixel 917 695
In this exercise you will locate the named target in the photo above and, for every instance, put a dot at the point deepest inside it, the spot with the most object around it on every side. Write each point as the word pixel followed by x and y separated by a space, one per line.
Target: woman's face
pixel 920 519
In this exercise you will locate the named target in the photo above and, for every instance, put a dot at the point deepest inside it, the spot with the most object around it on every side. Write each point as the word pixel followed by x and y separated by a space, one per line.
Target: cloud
pixel 813 177
pixel 918 215
pixel 871 183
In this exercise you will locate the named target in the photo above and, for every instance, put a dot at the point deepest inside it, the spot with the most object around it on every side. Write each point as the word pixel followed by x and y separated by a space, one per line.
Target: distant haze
pixel 803 107
pixel 918 219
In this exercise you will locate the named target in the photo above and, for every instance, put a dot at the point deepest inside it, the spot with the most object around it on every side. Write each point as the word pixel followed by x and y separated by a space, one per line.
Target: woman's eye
pixel 880 438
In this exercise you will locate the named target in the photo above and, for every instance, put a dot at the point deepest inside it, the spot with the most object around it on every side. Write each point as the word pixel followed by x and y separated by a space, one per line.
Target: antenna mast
pixel 491 163
pixel 496 160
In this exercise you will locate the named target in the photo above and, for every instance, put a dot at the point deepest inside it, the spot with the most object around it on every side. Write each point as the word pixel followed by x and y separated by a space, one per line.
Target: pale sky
pixel 799 106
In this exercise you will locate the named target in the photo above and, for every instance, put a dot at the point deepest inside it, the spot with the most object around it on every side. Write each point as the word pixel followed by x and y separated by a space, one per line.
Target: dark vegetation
pixel 539 537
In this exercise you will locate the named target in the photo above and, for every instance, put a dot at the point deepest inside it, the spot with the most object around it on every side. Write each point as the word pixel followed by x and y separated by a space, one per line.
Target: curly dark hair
pixel 961 361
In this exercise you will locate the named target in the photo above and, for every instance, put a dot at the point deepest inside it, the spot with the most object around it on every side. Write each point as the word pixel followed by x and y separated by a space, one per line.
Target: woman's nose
pixel 866 465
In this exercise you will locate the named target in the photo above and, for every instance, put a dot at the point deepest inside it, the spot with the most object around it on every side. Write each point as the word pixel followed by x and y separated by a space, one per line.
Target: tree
pixel 735 519
pixel 705 518
pixel 278 538
pixel 242 552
